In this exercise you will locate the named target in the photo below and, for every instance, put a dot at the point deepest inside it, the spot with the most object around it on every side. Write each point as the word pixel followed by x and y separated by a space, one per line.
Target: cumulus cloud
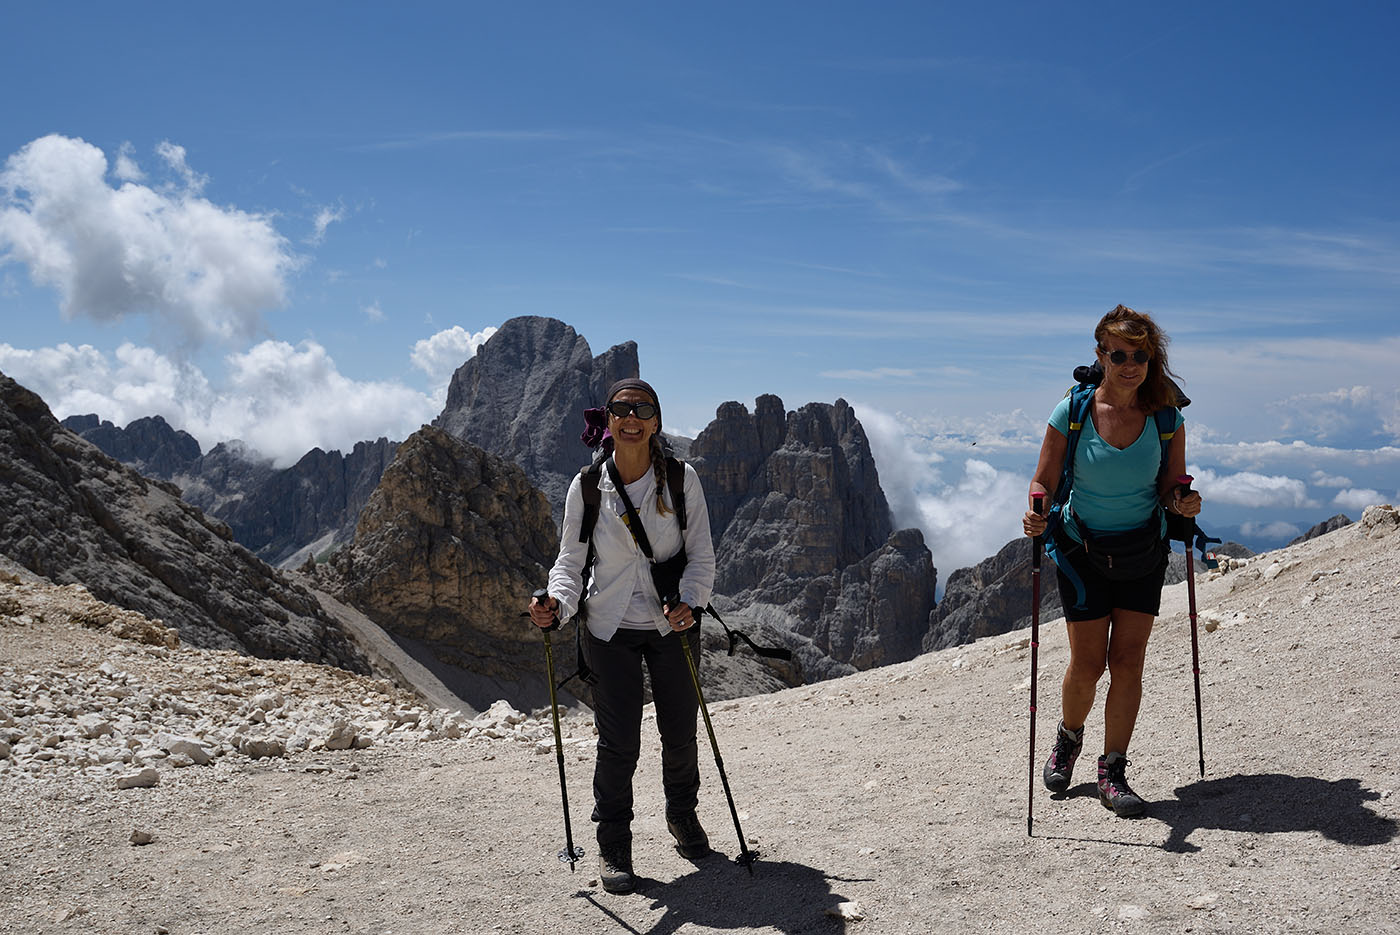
pixel 1271 531
pixel 1358 499
pixel 973 517
pixel 202 271
pixel 964 520
pixel 1352 416
pixel 1323 479
pixel 126 169
pixel 1249 489
pixel 280 399
pixel 439 356
pixel 373 312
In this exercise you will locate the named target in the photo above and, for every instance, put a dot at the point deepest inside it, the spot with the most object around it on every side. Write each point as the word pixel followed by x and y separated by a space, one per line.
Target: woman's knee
pixel 1084 671
pixel 1126 667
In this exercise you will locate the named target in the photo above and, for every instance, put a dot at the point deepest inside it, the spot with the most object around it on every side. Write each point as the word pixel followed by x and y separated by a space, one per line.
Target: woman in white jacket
pixel 628 626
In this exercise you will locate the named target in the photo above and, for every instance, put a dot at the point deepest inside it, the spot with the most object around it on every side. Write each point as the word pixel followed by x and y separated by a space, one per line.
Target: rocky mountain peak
pixel 73 514
pixel 801 524
pixel 522 396
pixel 448 549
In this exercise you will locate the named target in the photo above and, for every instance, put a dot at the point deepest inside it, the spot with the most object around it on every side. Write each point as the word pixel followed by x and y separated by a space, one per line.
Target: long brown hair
pixel 658 468
pixel 1141 331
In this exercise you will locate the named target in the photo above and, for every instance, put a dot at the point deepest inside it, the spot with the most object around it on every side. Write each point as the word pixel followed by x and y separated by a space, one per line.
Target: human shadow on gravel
pixel 1265 803
pixel 1274 803
pixel 719 894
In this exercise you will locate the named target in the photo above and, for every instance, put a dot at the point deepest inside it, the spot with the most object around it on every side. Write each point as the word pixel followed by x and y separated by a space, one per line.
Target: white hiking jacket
pixel 619 564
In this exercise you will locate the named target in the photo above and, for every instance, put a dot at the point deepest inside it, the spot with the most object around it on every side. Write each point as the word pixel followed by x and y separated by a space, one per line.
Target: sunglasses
pixel 1118 358
pixel 622 409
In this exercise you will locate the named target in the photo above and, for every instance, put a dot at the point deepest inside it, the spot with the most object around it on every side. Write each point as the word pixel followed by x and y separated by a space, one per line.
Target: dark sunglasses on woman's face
pixel 1118 358
pixel 622 409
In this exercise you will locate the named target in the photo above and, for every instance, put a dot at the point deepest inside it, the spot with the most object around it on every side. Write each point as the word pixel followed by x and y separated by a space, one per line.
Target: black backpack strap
pixel 630 517
pixel 768 652
pixel 588 478
pixel 675 480
pixel 592 499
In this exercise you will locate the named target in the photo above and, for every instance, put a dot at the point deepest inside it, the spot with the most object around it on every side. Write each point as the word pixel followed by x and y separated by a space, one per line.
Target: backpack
pixel 1081 397
pixel 592 502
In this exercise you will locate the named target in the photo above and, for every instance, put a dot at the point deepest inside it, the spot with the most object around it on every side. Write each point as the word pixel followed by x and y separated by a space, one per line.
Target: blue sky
pixel 290 225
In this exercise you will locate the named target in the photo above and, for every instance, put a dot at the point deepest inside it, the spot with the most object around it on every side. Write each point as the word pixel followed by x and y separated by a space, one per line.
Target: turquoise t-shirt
pixel 1114 489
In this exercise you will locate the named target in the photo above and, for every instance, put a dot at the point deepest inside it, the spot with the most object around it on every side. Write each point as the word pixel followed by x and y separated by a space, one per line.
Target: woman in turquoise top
pixel 1119 487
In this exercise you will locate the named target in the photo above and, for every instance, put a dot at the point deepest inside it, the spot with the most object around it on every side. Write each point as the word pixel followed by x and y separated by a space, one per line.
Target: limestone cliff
pixel 800 523
pixel 74 515
pixel 522 396
pixel 446 554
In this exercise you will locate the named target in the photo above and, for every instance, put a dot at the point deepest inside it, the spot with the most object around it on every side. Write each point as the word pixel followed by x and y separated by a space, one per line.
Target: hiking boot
pixel 615 867
pixel 1060 766
pixel 1113 787
pixel 691 840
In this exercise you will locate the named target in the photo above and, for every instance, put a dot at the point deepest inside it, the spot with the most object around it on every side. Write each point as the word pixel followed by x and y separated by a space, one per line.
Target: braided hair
pixel 658 468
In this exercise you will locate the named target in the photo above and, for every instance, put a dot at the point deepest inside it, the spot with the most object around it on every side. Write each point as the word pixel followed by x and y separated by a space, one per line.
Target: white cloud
pixel 373 312
pixel 1323 479
pixel 439 356
pixel 282 400
pixel 325 217
pixel 974 517
pixel 878 373
pixel 174 157
pixel 1271 531
pixel 964 521
pixel 1358 499
pixel 1253 490
pixel 1352 416
pixel 205 272
pixel 126 169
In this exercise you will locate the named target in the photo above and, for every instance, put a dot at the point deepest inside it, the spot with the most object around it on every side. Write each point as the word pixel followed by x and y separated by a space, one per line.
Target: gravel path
pixel 898 794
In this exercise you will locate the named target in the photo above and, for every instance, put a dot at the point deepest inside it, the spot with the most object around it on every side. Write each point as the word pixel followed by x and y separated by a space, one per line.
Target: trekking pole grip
pixel 541 596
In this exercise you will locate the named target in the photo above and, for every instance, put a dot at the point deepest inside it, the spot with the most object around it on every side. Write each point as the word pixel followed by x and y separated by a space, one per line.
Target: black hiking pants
pixel 617 712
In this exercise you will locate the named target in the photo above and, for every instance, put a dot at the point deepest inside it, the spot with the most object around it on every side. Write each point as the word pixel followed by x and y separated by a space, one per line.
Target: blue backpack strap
pixel 1166 431
pixel 1081 397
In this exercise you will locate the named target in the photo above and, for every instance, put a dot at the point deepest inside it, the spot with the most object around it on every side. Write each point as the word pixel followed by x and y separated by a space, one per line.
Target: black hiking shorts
pixel 1088 595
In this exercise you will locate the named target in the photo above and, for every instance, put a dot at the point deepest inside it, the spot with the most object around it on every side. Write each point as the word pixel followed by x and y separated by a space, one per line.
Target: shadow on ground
pixel 1272 803
pixel 719 894
pixel 1266 803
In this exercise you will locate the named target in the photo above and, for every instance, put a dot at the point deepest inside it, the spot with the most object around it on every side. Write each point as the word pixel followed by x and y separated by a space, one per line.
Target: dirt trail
pixel 902 790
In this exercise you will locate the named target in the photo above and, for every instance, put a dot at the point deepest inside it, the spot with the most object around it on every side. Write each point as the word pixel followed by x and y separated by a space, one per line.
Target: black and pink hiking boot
pixel 1060 767
pixel 1113 787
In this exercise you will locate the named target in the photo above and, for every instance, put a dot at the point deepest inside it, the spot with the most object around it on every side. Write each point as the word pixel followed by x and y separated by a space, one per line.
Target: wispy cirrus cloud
pixel 438 138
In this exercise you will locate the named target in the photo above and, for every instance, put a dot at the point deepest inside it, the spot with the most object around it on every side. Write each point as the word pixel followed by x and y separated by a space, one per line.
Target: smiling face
pixel 629 430
pixel 1131 373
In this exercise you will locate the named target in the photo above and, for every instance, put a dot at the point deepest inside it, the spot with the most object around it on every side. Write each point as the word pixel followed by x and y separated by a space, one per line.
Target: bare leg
pixel 1127 650
pixel 1088 653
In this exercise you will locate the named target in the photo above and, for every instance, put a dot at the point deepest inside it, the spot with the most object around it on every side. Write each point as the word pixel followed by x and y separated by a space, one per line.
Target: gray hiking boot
pixel 1113 787
pixel 691 840
pixel 615 867
pixel 1060 767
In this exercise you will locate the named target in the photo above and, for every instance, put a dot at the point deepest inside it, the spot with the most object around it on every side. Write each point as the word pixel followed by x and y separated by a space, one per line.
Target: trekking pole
pixel 746 856
pixel 570 854
pixel 1185 481
pixel 1037 504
